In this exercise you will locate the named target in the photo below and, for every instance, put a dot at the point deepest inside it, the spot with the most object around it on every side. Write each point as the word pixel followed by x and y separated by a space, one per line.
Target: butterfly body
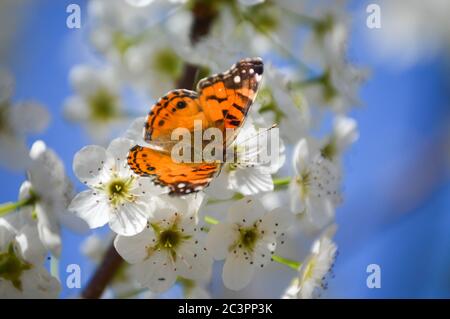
pixel 221 101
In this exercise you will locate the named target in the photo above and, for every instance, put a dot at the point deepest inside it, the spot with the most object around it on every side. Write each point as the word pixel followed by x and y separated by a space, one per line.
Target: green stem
pixel 10 207
pixel 287 262
pixel 283 181
pixel 211 220
pixel 236 196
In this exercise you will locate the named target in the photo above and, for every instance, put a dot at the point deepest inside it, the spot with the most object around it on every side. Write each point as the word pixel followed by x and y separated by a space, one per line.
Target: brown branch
pixel 103 274
pixel 204 14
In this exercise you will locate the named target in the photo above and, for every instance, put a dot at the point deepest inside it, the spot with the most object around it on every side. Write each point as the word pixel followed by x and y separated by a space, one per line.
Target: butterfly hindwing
pixel 181 178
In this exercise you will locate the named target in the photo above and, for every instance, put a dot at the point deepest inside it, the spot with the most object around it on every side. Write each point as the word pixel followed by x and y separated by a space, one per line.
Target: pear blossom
pixel 249 172
pixel 315 267
pixel 22 274
pixel 45 196
pixel 168 247
pixel 314 189
pixel 246 240
pixel 345 132
pixel 16 121
pixel 97 104
pixel 116 196
pixel 338 84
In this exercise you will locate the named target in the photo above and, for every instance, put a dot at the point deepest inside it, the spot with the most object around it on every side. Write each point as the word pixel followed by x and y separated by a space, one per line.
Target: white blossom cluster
pixel 172 241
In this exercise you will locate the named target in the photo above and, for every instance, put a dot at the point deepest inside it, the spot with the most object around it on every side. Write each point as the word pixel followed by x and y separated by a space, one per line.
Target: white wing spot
pixel 237 79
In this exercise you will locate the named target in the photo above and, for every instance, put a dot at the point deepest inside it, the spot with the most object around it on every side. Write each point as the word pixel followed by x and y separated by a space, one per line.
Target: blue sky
pixel 396 201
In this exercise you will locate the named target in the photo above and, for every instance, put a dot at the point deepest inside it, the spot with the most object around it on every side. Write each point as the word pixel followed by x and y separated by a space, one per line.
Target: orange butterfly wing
pixel 222 101
pixel 181 178
pixel 227 97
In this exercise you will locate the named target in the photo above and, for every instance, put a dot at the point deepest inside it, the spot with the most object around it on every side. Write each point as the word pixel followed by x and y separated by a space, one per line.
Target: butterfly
pixel 221 101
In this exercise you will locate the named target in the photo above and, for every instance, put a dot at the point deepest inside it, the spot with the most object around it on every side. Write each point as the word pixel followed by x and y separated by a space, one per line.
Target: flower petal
pixel 134 248
pixel 193 262
pixel 237 271
pixel 220 238
pixel 118 149
pixel 92 207
pixel 251 180
pixel 89 162
pixel 129 218
pixel 245 211
pixel 278 220
pixel 157 273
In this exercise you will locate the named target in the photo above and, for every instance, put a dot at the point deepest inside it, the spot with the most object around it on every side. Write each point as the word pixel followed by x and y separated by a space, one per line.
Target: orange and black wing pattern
pixel 180 178
pixel 227 97
pixel 221 101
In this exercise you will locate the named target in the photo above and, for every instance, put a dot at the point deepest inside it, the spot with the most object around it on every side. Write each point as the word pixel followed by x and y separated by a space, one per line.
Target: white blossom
pixel 246 240
pixel 97 104
pixel 314 189
pixel 46 194
pixel 250 171
pixel 116 196
pixel 22 274
pixel 312 272
pixel 168 247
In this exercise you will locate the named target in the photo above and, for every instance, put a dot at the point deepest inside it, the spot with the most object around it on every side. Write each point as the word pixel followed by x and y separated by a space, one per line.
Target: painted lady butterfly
pixel 221 101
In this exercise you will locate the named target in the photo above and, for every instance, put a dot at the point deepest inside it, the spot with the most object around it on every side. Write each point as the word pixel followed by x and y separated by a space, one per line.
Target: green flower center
pixel 248 238
pixel 104 106
pixel 166 61
pixel 119 190
pixel 169 239
pixel 12 267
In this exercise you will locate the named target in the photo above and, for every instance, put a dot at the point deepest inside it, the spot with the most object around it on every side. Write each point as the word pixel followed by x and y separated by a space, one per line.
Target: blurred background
pixel 396 209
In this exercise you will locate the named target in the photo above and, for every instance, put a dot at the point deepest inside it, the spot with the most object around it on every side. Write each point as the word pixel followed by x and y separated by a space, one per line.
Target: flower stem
pixel 287 262
pixel 211 220
pixel 10 207
pixel 236 196
pixel 281 182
